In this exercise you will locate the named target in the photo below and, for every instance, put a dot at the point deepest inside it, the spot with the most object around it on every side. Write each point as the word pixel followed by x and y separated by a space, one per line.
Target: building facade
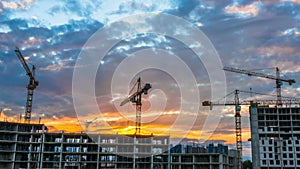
pixel 275 136
pixel 196 156
pixel 32 146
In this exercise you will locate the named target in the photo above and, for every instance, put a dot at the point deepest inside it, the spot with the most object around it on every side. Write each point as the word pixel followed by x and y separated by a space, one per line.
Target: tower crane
pixel 136 98
pixel 238 125
pixel 33 83
pixel 277 79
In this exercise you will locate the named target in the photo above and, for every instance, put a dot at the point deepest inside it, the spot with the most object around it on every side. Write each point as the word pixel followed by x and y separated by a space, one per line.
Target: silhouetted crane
pixel 277 79
pixel 238 124
pixel 30 87
pixel 137 99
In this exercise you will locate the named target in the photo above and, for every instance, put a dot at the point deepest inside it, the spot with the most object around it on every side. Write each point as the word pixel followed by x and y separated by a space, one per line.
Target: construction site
pixel 32 146
pixel 275 135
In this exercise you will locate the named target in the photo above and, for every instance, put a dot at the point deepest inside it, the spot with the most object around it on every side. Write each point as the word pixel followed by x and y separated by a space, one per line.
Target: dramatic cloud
pixel 23 4
pixel 246 34
pixel 245 11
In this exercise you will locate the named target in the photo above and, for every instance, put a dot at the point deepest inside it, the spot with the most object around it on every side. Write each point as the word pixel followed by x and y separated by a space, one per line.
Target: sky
pixel 149 39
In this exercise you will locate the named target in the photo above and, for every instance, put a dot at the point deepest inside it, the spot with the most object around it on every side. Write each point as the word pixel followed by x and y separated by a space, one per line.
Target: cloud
pixel 289 8
pixel 53 32
pixel 290 32
pixel 62 124
pixel 246 11
pixel 15 24
pixel 19 4
pixel 11 5
pixel 132 7
pixel 201 10
pixel 286 66
pixel 294 1
pixel 81 9
pixel 292 91
pixel 59 66
pixel 285 51
pixel 32 41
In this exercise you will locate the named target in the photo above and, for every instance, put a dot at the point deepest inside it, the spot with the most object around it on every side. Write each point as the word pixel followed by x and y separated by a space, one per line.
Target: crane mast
pixel 278 86
pixel 238 128
pixel 277 79
pixel 138 103
pixel 238 123
pixel 30 87
pixel 136 98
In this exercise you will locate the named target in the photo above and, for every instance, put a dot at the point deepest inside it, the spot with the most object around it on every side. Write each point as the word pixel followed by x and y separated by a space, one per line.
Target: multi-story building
pixel 20 145
pixel 275 137
pixel 32 146
pixel 199 157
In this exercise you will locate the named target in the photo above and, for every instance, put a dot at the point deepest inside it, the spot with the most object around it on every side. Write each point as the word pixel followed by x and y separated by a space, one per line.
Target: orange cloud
pixel 11 5
pixel 23 4
pixel 32 41
pixel 55 67
pixel 67 124
pixel 247 10
pixel 230 138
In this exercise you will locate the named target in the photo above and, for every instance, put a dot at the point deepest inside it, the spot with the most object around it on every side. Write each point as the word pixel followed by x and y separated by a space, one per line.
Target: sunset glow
pixel 89 54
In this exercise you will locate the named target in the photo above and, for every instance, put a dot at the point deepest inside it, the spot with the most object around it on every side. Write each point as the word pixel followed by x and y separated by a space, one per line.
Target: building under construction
pixel 275 135
pixel 29 146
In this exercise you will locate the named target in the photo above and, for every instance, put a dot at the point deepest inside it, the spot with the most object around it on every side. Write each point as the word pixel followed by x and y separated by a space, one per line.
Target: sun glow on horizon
pixel 69 124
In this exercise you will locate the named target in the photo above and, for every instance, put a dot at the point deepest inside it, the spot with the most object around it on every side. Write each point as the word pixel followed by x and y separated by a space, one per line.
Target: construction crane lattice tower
pixel 238 128
pixel 138 103
pixel 136 98
pixel 30 87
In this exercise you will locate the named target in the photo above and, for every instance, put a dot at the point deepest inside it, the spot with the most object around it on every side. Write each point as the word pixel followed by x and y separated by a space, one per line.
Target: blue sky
pixel 246 34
